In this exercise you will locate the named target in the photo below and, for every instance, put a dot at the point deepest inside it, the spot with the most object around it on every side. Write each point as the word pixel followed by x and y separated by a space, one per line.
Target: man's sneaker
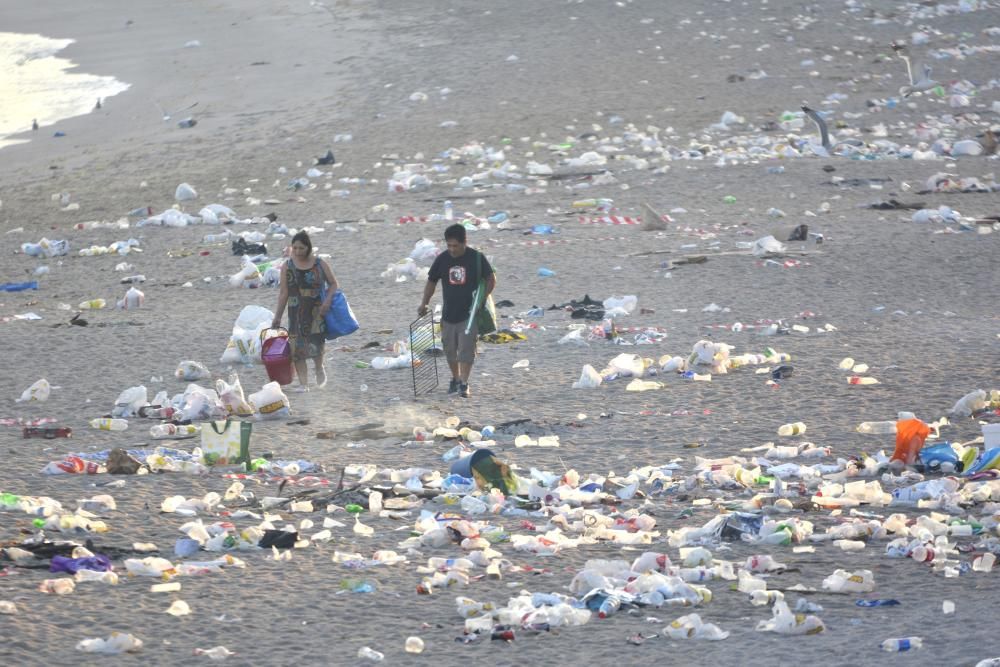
pixel 463 391
pixel 453 386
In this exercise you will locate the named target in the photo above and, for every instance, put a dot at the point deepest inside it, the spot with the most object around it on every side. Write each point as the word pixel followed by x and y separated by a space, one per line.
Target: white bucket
pixel 991 436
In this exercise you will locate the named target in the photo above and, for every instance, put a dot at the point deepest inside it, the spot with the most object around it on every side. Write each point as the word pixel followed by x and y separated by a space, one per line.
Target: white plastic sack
pixel 129 401
pixel 589 378
pixel 39 391
pixel 965 406
pixel 425 251
pixel 231 395
pixel 115 644
pixel 244 344
pixel 248 276
pixel 389 363
pixel 191 371
pixel 574 337
pixel 623 304
pixel 270 402
pixel 201 404
pixel 133 299
pixel 767 245
pixel 628 365
pixel 185 192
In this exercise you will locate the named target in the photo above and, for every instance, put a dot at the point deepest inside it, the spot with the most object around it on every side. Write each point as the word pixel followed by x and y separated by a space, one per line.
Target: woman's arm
pixel 282 297
pixel 331 280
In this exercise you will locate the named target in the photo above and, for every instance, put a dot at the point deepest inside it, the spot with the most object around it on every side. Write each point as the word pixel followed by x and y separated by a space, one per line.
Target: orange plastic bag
pixel 910 436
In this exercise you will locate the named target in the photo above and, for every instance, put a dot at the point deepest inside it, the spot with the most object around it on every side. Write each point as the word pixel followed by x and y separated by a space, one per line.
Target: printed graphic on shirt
pixel 456 275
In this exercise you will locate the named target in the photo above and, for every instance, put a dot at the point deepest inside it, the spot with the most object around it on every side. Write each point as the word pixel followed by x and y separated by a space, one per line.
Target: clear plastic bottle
pixel 173 430
pixel 796 428
pixel 610 605
pixel 877 428
pixel 368 653
pixel 449 211
pixel 902 644
pixel 106 424
pixel 93 304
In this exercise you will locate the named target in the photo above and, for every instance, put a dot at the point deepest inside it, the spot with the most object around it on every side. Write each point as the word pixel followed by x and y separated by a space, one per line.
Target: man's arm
pixel 428 293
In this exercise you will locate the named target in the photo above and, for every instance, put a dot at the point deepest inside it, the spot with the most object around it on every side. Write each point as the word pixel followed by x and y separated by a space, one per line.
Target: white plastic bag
pixel 574 337
pixel 628 365
pixel 201 404
pixel 185 192
pixel 589 378
pixel 767 245
pixel 113 645
pixel 244 344
pixel 133 299
pixel 964 407
pixel 624 305
pixel 39 391
pixel 389 363
pixel 191 371
pixel 231 395
pixel 129 401
pixel 270 402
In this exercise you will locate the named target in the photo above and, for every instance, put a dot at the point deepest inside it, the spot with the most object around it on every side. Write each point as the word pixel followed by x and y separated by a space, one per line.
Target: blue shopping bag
pixel 340 320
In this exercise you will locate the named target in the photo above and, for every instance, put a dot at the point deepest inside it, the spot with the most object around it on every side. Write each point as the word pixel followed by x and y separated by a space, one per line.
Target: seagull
pixel 824 134
pixel 923 84
pixel 825 148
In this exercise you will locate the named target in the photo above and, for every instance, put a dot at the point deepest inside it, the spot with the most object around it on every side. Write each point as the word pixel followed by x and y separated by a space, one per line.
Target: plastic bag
pixel 589 378
pixel 971 402
pixel 185 192
pixel 389 363
pixel 767 245
pixel 248 276
pixel 129 401
pixel 615 306
pixel 133 299
pixel 244 344
pixel 201 404
pixel 39 391
pixel 191 371
pixel 270 402
pixel 628 365
pixel 574 337
pixel 424 250
pixel 231 395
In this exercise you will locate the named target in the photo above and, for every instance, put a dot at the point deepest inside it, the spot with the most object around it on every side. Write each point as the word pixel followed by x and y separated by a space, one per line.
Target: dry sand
pixel 350 67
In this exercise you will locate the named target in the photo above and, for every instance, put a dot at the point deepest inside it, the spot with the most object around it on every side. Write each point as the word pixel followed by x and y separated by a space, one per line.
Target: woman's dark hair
pixel 303 238
pixel 455 232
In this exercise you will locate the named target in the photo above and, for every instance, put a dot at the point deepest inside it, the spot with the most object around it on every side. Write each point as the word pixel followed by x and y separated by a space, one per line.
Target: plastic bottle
pixel 367 653
pixel 796 428
pixel 106 424
pixel 609 606
pixel 449 211
pixel 902 644
pixel 93 304
pixel 157 412
pixel 173 430
pixel 857 379
pixel 877 428
pixel 546 273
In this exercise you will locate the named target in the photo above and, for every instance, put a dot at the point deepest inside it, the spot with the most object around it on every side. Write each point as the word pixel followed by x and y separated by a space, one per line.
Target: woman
pixel 301 279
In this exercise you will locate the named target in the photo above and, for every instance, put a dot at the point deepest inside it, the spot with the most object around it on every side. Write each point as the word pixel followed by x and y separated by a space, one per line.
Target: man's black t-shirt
pixel 460 278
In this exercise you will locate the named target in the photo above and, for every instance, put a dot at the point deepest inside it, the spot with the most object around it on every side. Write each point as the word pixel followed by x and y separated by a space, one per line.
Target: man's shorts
pixel 458 345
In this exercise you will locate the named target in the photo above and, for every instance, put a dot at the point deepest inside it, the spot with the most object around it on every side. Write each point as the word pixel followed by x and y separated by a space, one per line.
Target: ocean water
pixel 36 84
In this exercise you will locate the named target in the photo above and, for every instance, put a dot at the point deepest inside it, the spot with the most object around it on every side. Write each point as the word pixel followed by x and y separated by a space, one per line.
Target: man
pixel 460 267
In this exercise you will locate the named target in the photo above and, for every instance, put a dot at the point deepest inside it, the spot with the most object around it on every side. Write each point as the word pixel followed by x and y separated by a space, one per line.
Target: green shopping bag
pixel 483 313
pixel 225 442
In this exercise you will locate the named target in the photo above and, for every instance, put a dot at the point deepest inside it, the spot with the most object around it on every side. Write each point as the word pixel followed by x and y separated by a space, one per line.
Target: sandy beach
pixel 448 85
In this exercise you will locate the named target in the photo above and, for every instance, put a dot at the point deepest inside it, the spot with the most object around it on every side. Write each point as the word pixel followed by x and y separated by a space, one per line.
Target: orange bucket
pixel 910 436
pixel 276 353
